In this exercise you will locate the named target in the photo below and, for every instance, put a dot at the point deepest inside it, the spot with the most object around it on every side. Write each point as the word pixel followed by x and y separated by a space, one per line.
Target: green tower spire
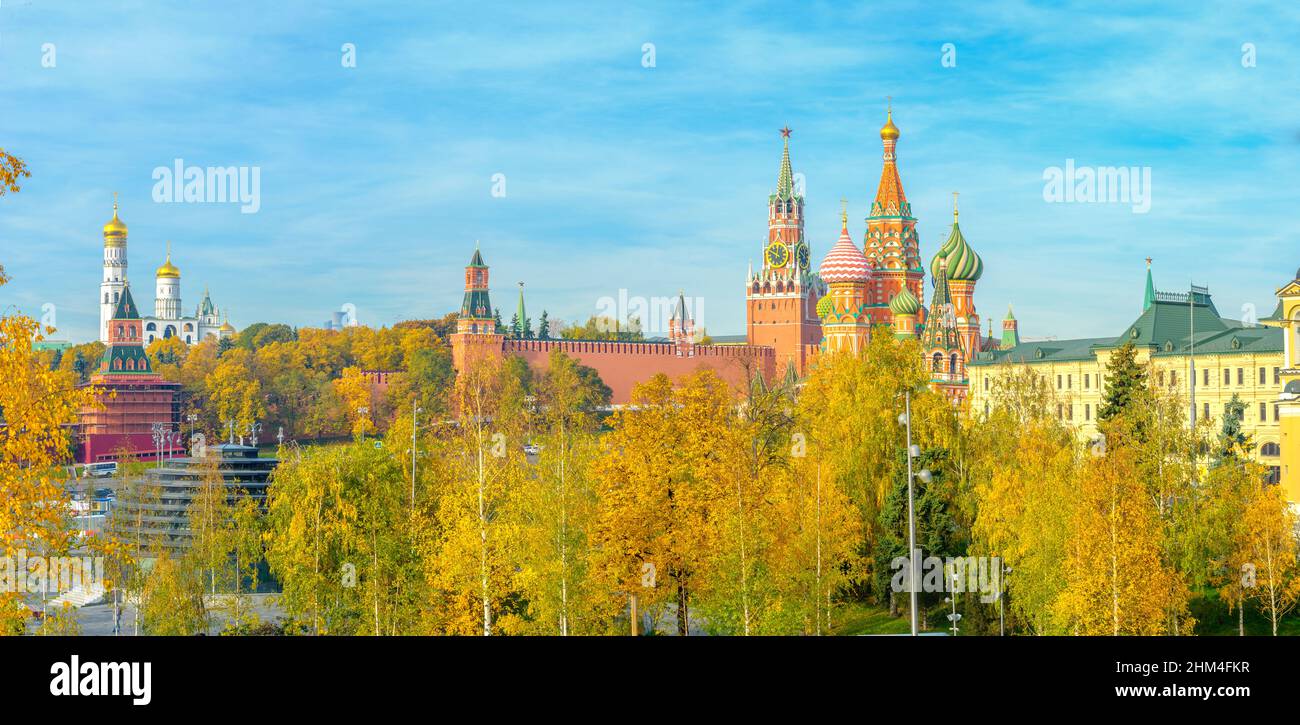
pixel 1010 332
pixel 785 182
pixel 522 316
pixel 1151 289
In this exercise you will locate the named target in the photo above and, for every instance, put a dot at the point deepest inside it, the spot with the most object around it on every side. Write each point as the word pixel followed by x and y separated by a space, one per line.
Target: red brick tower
pixel 891 244
pixel 476 330
pixel 130 398
pixel 781 299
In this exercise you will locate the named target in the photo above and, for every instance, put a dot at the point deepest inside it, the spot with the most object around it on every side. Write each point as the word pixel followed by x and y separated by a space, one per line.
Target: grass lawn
pixel 1212 619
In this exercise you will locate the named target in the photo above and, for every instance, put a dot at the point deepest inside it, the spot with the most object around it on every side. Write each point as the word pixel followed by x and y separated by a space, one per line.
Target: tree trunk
pixel 683 610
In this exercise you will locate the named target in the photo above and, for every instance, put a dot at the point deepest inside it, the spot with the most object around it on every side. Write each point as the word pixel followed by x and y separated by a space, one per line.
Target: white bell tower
pixel 110 289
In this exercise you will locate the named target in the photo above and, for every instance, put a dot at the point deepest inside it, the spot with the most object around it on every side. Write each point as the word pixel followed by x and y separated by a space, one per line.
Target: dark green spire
pixel 1010 333
pixel 521 315
pixel 1151 289
pixel 126 309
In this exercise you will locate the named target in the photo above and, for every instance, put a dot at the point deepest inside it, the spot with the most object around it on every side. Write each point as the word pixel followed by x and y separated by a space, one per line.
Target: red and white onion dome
pixel 845 262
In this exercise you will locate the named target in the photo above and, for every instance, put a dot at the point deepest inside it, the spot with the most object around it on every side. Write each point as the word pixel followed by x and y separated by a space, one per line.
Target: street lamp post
pixel 924 474
pixel 158 438
pixel 253 430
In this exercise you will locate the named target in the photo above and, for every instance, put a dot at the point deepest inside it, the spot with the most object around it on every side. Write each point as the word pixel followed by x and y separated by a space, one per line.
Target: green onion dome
pixel 825 306
pixel 963 263
pixel 904 303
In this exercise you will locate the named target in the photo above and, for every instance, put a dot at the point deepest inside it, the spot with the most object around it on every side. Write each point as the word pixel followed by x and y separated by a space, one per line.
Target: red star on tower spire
pixel 785 132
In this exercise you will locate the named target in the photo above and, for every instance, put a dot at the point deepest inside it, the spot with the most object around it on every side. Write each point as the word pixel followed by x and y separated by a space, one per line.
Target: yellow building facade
pixel 1286 318
pixel 1173 331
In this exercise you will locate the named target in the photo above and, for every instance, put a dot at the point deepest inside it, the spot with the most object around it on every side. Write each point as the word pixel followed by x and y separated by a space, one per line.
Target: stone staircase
pixel 79 596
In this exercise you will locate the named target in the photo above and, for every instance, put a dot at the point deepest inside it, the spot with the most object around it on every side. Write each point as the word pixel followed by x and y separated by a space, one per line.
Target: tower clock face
pixel 777 254
pixel 802 257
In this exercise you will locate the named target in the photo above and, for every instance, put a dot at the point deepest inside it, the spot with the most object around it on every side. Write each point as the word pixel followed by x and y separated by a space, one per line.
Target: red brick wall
pixel 624 364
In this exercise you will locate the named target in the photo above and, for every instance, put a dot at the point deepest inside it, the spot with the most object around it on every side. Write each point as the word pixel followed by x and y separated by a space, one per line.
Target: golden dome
pixel 168 269
pixel 889 132
pixel 115 229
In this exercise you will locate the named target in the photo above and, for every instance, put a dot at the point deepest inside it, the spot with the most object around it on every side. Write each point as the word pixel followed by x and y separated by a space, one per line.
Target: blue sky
pixel 376 180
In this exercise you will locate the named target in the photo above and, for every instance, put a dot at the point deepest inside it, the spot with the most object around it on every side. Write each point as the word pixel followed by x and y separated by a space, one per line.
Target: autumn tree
pixel 466 540
pixel 551 511
pixel 39 406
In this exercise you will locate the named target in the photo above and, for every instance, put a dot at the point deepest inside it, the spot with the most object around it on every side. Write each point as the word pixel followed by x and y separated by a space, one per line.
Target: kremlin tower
pixel 781 299
pixel 130 398
pixel 891 244
pixel 476 332
pixel 846 320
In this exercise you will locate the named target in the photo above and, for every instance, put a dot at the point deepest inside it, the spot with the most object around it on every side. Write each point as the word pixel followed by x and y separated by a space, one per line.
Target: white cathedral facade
pixel 167 319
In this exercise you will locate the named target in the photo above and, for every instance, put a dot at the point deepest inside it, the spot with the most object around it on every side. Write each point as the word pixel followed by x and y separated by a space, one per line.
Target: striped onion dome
pixel 963 263
pixel 905 303
pixel 845 262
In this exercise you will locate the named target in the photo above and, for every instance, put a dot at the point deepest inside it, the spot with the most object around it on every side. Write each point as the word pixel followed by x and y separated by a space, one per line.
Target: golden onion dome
pixel 168 270
pixel 889 132
pixel 114 230
pixel 227 327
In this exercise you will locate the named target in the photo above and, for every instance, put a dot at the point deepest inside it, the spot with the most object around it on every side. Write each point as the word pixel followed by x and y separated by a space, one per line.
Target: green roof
pixel 477 259
pixel 1164 328
pixel 126 309
pixel 134 353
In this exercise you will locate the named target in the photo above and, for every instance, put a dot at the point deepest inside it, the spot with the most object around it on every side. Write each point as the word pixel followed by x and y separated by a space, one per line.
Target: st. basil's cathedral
pixel 793 314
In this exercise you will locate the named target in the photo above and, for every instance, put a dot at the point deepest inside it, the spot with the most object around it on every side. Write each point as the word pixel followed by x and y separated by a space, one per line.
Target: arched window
pixel 151 327
pixel 105 298
pixel 953 364
pixel 188 340
pixel 938 362
pixel 1270 449
pixel 120 330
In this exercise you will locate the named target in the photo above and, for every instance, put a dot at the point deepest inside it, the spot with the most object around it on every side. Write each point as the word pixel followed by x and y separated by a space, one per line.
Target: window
pixel 1274 475
pixel 1241 378
pixel 1087 411
pixel 1161 377
pixel 1206 413
pixel 1227 376
pixel 1274 413
pixel 1270 449
pixel 1087 381
pixel 1277 376
pixel 1069 382
pixel 1205 377
pixel 1058 411
pixel 1058 382
pixel 1263 410
pixel 986 386
pixel 1173 378
pixel 1262 373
